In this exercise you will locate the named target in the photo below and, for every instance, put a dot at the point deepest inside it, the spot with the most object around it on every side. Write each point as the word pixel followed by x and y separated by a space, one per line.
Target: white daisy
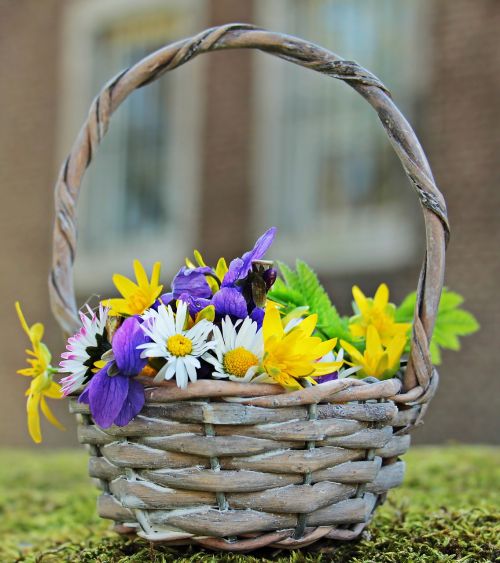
pixel 84 349
pixel 238 353
pixel 181 348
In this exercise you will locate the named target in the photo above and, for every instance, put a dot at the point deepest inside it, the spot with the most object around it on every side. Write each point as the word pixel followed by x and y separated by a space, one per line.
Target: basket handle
pixel 303 53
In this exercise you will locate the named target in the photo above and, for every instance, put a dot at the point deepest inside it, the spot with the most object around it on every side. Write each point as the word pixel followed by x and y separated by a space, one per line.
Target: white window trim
pixel 345 250
pixel 82 20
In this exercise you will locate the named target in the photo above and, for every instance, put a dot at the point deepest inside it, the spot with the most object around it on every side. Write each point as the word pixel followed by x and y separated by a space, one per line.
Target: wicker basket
pixel 234 466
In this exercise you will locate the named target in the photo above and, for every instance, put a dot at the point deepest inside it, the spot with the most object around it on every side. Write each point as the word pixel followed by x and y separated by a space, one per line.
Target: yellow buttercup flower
pixel 376 312
pixel 42 385
pixel 136 297
pixel 290 356
pixel 377 360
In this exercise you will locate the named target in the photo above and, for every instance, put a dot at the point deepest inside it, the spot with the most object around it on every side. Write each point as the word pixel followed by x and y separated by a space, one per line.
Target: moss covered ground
pixel 447 510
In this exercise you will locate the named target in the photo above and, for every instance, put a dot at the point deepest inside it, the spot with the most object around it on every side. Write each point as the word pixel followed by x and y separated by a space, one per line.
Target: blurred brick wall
pixel 29 61
pixel 462 137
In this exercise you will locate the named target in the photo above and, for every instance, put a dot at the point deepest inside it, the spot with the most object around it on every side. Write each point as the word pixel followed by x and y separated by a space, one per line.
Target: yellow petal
pixel 53 391
pixel 357 330
pixel 44 354
pixel 271 325
pixel 353 352
pixel 34 417
pixel 381 298
pixel 117 306
pixel 361 300
pixel 221 269
pixel 155 275
pixel 206 313
pixel 381 367
pixel 308 325
pixel 27 371
pixel 140 274
pixel 190 264
pixel 125 286
pixel 325 347
pixel 373 343
pixel 36 332
pixel 324 368
pixel 395 349
pixel 199 258
pixel 22 320
pixel 49 415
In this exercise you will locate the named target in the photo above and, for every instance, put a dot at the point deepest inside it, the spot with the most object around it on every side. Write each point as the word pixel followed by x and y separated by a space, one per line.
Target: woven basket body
pixel 239 466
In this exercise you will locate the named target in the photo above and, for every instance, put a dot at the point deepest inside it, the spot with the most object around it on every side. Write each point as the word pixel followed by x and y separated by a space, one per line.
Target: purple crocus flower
pixel 230 301
pixel 195 304
pixel 257 315
pixel 193 282
pixel 239 268
pixel 117 398
pixel 327 377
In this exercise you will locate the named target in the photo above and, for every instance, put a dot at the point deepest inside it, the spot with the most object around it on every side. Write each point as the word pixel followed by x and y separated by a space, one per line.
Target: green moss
pixel 447 510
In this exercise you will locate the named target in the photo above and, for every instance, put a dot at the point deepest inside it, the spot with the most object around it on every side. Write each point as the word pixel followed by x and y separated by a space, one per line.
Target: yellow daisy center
pixel 238 361
pixel 179 345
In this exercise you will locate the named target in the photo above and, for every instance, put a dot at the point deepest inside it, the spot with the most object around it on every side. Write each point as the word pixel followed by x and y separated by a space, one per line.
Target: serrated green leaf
pixel 451 322
pixel 460 321
pixel 450 300
pixel 290 277
pixel 404 313
pixel 302 287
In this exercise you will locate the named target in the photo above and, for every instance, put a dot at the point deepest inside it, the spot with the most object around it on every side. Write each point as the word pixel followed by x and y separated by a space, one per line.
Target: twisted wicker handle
pixel 419 372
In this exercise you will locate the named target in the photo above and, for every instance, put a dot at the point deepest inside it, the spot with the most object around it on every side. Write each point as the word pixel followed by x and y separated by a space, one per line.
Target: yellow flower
pixel 220 270
pixel 377 360
pixel 42 385
pixel 377 312
pixel 136 297
pixel 291 356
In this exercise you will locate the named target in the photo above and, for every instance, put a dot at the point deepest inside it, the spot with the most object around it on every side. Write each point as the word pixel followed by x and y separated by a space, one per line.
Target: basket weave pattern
pixel 311 465
pixel 238 466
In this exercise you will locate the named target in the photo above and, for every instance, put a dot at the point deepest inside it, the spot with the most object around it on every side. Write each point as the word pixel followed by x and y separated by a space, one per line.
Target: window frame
pixel 82 21
pixel 343 250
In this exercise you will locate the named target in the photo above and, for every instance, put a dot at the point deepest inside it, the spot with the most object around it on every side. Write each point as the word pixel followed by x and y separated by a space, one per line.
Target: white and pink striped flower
pixel 84 349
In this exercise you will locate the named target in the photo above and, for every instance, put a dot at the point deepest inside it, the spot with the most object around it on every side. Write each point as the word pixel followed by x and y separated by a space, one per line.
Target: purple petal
pixel 133 403
pixel 125 342
pixel 327 377
pixel 257 315
pixel 106 396
pixel 164 299
pixel 84 397
pixel 229 301
pixel 240 267
pixel 195 304
pixel 193 282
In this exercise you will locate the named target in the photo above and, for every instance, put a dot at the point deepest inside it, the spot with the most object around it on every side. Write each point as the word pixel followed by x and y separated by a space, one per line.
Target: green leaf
pixel 290 277
pixel 404 313
pixel 451 322
pixel 303 288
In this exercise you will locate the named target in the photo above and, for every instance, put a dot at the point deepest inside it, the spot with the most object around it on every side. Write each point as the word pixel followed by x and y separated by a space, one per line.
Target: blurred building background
pixel 217 151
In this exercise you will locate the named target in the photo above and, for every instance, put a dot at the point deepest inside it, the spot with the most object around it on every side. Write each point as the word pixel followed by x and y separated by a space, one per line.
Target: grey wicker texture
pixel 234 466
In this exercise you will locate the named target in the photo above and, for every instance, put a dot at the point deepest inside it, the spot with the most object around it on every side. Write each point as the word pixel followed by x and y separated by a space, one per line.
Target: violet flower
pixel 113 395
pixel 193 282
pixel 239 268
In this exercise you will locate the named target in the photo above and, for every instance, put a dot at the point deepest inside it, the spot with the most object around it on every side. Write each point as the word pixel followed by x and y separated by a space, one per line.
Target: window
pixel 325 172
pixel 139 196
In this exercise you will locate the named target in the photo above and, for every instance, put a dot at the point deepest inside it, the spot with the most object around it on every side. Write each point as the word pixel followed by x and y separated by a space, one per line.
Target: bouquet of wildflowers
pixel 239 322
